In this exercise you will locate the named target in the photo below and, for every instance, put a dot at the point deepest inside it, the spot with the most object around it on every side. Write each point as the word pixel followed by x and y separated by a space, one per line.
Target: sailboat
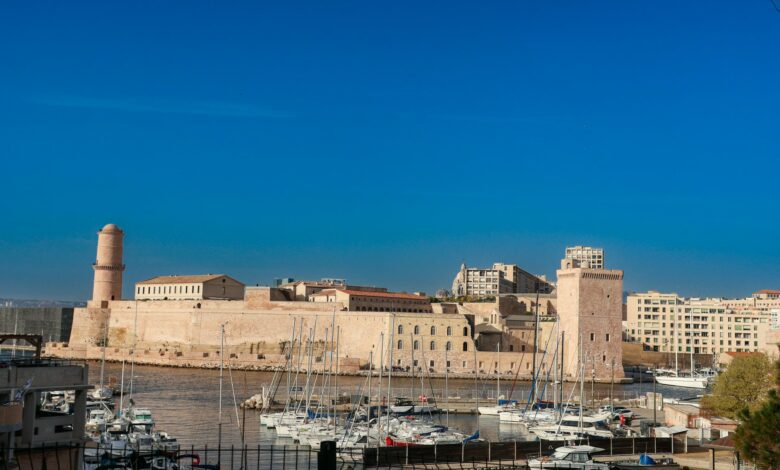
pixel 502 404
pixel 677 379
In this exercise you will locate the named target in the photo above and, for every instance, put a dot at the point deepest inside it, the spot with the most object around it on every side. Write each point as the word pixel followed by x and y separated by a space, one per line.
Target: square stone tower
pixel 590 309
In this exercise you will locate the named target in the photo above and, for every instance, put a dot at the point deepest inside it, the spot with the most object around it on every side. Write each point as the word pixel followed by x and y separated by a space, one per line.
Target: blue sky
pixel 387 142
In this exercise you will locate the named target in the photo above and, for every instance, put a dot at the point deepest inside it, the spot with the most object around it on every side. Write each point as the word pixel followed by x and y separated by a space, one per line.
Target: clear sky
pixel 387 142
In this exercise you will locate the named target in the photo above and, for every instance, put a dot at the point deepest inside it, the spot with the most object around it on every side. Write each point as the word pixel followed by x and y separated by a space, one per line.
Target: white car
pixel 618 411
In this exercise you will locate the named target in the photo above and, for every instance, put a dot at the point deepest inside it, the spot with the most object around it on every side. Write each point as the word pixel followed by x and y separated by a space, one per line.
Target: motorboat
pixel 405 406
pixel 570 427
pixel 503 406
pixel 574 457
pixel 98 419
pixel 140 419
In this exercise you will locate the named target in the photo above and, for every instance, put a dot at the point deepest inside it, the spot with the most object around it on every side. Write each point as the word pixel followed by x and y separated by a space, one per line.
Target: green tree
pixel 758 437
pixel 745 384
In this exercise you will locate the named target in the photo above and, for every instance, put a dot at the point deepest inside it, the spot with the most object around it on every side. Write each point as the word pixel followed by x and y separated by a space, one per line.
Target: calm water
pixel 184 402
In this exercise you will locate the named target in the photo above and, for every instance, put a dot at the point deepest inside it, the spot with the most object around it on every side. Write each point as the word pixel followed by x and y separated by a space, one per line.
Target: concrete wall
pixel 53 323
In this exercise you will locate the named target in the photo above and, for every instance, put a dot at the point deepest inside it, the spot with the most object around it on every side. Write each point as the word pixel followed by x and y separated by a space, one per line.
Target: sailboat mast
pixel 379 388
pixel 582 381
pixel 411 391
pixel 290 361
pixel 389 376
pixel 498 370
pixel 336 377
pixel 103 361
pixel 676 342
pixel 446 383
pixel 135 346
pixel 563 359
pixel 381 365
pixel 122 389
pixel 370 372
pixel 536 347
pixel 221 372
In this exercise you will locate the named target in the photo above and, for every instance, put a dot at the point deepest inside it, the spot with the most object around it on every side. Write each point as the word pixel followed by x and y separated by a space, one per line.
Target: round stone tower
pixel 108 266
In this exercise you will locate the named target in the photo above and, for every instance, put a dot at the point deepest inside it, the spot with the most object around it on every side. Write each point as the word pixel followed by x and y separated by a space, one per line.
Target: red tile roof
pixel 741 353
pixel 768 291
pixel 368 293
pixel 198 278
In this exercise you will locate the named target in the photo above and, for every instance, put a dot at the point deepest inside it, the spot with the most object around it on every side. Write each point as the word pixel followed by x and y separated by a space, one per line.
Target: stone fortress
pixel 177 321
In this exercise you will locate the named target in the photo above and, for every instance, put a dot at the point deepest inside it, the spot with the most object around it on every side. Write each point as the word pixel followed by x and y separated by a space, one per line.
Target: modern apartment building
pixel 663 322
pixel 585 256
pixel 499 279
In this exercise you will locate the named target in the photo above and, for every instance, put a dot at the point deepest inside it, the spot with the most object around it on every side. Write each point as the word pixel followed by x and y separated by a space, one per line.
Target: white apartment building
pixel 663 322
pixel 499 279
pixel 586 256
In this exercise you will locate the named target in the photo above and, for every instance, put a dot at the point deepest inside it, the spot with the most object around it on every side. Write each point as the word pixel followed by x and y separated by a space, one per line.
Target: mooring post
pixel 326 460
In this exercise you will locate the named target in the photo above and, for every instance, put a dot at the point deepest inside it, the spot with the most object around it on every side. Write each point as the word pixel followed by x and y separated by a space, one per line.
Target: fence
pixel 505 453
pixel 94 457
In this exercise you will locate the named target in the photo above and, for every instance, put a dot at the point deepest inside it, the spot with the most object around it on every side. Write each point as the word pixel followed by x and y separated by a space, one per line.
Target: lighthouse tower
pixel 108 266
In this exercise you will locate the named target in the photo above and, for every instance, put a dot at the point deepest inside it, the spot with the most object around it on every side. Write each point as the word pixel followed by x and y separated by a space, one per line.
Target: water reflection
pixel 184 402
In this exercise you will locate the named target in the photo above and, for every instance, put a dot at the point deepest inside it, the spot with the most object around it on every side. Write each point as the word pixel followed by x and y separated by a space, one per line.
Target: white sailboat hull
pixel 686 382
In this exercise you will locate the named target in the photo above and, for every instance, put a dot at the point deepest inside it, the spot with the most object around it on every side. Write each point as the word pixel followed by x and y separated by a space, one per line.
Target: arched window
pixel 433 331
pixel 433 346
pixel 416 345
pixel 400 330
pixel 465 346
pixel 449 331
pixel 417 329
pixel 400 344
pixel 448 346
pixel 465 331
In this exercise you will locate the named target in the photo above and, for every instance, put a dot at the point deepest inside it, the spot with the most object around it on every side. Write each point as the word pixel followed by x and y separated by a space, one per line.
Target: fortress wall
pixel 175 333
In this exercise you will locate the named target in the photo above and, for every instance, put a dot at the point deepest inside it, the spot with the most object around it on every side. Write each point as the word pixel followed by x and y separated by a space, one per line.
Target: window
pixel 416 345
pixel 448 346
pixel 465 346
pixel 433 331
pixel 400 330
pixel 433 346
pixel 449 331
pixel 607 336
pixel 400 344
pixel 416 329
pixel 431 363
pixel 593 336
pixel 465 331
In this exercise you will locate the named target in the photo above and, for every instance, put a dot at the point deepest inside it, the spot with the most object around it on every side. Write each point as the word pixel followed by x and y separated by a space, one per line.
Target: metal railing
pixel 484 455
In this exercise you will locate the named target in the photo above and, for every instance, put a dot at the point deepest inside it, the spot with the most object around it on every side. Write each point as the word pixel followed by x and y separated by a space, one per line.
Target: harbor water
pixel 184 402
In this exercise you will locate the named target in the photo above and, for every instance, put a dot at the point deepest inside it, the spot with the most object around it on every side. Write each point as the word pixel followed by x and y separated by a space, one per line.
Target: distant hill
pixel 5 302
